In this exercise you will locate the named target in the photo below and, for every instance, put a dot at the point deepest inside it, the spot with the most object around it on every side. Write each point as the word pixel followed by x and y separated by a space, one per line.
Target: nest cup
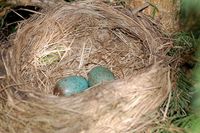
pixel 71 39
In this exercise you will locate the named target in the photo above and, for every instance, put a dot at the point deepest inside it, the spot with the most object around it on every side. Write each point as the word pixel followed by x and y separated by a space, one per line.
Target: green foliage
pixel 196 99
pixel 190 123
pixel 193 125
pixel 179 112
pixel 190 15
pixel 167 126
pixel 187 102
pixel 182 122
pixel 183 43
pixel 190 18
pixel 179 107
pixel 181 97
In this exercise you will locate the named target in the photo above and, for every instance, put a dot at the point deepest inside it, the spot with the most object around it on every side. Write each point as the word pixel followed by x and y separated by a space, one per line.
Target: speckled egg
pixel 98 75
pixel 70 85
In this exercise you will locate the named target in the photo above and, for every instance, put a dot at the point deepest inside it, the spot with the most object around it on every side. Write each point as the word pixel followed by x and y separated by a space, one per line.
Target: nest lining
pixel 92 36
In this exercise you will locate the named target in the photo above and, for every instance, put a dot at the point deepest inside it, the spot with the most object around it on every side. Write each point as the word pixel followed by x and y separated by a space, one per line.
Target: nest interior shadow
pixel 70 39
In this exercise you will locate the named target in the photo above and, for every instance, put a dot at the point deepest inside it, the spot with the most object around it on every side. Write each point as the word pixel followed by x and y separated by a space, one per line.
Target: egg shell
pixel 98 75
pixel 70 85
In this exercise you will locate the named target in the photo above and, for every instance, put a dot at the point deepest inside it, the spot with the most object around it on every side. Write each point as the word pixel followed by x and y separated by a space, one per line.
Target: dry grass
pixel 71 40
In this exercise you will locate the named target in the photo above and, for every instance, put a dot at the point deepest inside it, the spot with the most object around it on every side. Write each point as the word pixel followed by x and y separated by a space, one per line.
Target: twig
pixel 32 11
pixel 144 6
pixel 169 98
pixel 17 14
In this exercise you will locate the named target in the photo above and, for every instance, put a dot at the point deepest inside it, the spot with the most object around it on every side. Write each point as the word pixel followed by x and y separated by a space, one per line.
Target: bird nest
pixel 71 39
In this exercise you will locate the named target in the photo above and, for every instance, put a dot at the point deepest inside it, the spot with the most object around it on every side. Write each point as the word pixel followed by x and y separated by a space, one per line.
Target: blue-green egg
pixel 99 74
pixel 70 85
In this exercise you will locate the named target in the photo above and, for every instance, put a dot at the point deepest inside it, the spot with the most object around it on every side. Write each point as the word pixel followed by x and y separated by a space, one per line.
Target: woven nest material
pixel 70 39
